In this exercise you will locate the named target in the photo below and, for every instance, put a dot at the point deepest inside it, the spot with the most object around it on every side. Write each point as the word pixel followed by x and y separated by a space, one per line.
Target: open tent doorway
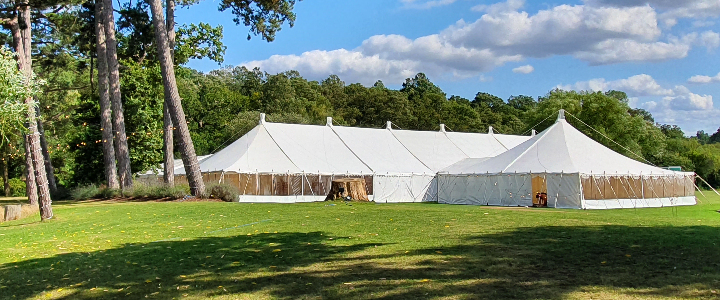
pixel 539 190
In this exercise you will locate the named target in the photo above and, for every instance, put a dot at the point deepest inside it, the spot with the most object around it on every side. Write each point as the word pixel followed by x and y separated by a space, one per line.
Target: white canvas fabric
pixel 253 152
pixel 316 149
pixel 563 190
pixel 404 188
pixel 562 148
pixel 179 167
pixel 463 165
pixel 478 144
pixel 434 149
pixel 565 157
pixel 380 150
pixel 483 189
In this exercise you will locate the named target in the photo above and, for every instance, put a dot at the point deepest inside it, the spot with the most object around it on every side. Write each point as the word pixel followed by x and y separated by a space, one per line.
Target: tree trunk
pixel 121 146
pixel 348 187
pixel 30 184
pixel 46 155
pixel 105 111
pixel 192 169
pixel 23 49
pixel 168 147
pixel 6 176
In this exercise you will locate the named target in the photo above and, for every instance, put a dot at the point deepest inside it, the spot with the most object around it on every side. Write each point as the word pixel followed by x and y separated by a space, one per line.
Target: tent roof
pixel 433 148
pixel 380 150
pixel 280 148
pixel 560 148
pixel 478 145
pixel 254 151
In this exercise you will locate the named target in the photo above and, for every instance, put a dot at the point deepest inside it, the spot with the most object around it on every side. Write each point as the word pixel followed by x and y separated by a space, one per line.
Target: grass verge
pixel 361 251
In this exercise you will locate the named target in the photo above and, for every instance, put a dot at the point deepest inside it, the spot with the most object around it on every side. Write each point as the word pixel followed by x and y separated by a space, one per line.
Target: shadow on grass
pixel 533 262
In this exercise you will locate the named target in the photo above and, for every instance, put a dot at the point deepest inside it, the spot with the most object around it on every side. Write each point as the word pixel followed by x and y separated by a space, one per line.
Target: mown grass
pixel 361 251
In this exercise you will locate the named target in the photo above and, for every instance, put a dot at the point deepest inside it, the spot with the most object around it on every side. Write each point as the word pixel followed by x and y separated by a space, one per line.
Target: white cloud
pixel 671 10
pixel 483 78
pixel 616 51
pixel 500 7
pixel 526 69
pixel 421 4
pixel 352 66
pixel 677 98
pixel 635 86
pixel 597 34
pixel 702 23
pixel 669 105
pixel 710 39
pixel 701 79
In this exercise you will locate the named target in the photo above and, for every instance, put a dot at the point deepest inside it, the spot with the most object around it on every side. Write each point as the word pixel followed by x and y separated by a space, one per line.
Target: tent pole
pixel 703 180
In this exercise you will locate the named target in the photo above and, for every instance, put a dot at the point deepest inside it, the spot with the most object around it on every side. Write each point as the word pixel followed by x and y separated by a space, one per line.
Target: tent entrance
pixel 539 190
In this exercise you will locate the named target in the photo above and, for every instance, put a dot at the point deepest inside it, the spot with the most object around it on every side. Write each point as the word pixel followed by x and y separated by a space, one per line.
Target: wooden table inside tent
pixel 353 187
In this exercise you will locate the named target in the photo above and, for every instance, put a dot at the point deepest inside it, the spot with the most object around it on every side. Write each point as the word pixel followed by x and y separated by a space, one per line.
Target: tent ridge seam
pixel 527 149
pixel 351 150
pixel 278 145
pixel 411 153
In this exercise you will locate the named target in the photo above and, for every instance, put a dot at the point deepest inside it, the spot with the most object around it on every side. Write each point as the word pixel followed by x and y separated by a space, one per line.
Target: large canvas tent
pixel 574 170
pixel 277 162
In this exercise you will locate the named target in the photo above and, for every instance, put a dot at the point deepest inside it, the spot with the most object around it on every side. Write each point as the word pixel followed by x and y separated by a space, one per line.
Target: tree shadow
pixel 527 263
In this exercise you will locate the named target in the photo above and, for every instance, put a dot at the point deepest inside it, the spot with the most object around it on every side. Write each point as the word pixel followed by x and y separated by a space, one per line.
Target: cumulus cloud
pixel 702 79
pixel 425 4
pixel 500 7
pixel 710 39
pixel 601 32
pixel 672 10
pixel 669 105
pixel 526 69
pixel 643 85
pixel 352 65
pixel 635 86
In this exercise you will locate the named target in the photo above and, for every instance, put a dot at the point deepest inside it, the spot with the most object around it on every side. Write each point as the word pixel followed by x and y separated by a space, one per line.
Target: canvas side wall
pixel 485 189
pixel 602 191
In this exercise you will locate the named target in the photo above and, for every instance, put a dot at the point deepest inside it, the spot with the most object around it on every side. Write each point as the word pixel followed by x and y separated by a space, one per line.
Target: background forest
pixel 222 105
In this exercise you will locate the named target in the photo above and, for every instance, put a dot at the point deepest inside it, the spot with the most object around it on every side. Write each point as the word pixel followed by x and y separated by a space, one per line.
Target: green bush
pixel 86 192
pixel 151 190
pixel 223 192
pixel 108 193
pixel 17 187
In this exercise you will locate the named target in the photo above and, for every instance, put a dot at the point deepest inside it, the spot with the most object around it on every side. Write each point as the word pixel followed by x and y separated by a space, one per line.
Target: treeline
pixel 224 104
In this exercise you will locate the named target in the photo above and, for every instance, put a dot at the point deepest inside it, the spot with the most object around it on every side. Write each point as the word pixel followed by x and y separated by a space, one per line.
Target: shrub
pixel 86 192
pixel 108 193
pixel 17 187
pixel 223 192
pixel 156 190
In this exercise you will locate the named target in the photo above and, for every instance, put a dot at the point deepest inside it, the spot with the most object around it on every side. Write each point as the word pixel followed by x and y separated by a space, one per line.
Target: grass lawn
pixel 364 251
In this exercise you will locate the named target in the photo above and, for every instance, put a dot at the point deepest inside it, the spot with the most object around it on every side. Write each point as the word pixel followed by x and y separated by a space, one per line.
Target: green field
pixel 361 251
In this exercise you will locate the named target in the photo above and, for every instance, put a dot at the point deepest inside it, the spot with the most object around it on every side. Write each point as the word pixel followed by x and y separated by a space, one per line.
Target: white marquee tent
pixel 574 170
pixel 277 162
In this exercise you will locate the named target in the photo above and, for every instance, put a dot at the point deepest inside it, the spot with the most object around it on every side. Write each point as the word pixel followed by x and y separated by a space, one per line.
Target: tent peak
pixel 388 125
pixel 533 132
pixel 442 127
pixel 329 121
pixel 490 130
pixel 262 119
pixel 561 114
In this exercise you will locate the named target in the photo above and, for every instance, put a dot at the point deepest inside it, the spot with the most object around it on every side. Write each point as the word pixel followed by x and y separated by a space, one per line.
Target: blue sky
pixel 663 53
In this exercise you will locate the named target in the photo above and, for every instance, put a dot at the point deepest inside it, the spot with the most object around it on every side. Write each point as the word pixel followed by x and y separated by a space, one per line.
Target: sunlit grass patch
pixel 364 251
